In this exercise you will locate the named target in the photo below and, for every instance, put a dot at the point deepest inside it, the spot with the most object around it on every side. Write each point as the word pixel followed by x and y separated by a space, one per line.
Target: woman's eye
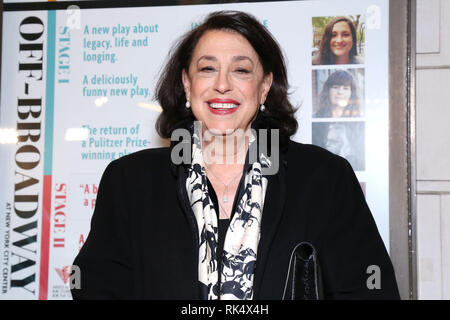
pixel 242 70
pixel 207 69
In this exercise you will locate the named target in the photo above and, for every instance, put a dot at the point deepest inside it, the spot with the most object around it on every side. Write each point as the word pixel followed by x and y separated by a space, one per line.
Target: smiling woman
pixel 166 229
pixel 225 82
pixel 339 96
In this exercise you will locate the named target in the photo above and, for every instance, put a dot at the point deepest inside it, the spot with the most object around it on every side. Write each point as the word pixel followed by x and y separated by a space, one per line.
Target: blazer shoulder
pixel 307 161
pixel 153 156
pixel 140 164
pixel 309 155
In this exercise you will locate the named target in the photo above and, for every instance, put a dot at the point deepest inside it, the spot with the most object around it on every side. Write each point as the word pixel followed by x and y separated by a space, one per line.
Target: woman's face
pixel 337 141
pixel 341 40
pixel 225 83
pixel 340 95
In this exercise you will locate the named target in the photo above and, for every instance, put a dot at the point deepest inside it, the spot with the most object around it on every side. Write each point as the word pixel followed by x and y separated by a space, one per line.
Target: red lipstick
pixel 219 100
pixel 222 111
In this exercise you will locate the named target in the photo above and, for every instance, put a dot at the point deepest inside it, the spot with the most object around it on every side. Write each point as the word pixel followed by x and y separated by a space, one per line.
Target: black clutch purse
pixel 303 281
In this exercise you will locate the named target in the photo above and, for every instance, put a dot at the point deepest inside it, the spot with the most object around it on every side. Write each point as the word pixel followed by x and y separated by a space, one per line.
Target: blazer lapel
pixel 271 217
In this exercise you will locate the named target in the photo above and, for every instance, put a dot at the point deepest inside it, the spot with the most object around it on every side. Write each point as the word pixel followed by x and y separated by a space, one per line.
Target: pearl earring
pixel 262 108
pixel 188 104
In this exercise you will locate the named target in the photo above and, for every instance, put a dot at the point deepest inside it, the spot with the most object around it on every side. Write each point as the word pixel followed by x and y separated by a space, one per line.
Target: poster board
pixel 79 95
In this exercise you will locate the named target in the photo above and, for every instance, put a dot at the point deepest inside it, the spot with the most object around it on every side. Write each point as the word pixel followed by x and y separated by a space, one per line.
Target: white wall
pixel 433 148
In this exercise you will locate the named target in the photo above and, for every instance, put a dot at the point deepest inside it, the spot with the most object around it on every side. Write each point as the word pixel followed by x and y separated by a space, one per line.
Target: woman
pixel 338 44
pixel 165 225
pixel 339 97
pixel 342 139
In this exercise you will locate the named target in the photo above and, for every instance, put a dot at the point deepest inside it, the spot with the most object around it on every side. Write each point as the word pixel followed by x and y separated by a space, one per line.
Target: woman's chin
pixel 219 132
pixel 342 56
pixel 220 129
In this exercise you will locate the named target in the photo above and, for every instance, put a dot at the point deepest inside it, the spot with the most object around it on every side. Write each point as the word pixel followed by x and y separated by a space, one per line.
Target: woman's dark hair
pixel 279 112
pixel 340 78
pixel 325 54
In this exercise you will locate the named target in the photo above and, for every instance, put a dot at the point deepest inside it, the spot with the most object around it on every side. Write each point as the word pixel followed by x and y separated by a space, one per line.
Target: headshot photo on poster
pixel 344 138
pixel 338 93
pixel 338 40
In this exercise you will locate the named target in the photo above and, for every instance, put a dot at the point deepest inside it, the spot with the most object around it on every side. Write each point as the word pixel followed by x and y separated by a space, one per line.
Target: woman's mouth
pixel 222 106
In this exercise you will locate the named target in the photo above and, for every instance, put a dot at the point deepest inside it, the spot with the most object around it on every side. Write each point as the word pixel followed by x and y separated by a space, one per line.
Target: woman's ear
pixel 186 83
pixel 267 84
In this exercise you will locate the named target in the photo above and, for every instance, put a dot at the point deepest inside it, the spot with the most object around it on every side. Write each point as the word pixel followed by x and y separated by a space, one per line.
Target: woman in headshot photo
pixel 339 97
pixel 338 44
pixel 342 139
pixel 230 222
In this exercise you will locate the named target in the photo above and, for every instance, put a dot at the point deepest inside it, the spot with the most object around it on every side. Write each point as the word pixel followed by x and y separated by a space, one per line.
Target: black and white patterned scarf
pixel 242 238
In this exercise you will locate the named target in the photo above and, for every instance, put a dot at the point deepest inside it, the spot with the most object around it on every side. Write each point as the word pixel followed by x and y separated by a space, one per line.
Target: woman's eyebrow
pixel 240 58
pixel 207 57
pixel 234 59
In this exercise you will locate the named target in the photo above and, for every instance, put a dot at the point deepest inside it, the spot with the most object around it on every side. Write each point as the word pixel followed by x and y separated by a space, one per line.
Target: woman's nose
pixel 223 83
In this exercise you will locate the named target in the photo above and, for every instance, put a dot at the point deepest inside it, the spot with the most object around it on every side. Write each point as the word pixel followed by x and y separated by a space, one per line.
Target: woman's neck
pixel 224 158
pixel 225 150
pixel 337 111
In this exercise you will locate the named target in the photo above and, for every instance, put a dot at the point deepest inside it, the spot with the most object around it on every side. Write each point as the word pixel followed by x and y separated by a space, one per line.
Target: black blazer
pixel 143 245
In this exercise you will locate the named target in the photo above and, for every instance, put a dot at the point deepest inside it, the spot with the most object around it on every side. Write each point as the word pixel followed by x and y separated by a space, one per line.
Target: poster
pixel 77 92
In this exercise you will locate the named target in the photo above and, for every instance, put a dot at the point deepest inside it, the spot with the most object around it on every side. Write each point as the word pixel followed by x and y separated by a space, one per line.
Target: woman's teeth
pixel 223 105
